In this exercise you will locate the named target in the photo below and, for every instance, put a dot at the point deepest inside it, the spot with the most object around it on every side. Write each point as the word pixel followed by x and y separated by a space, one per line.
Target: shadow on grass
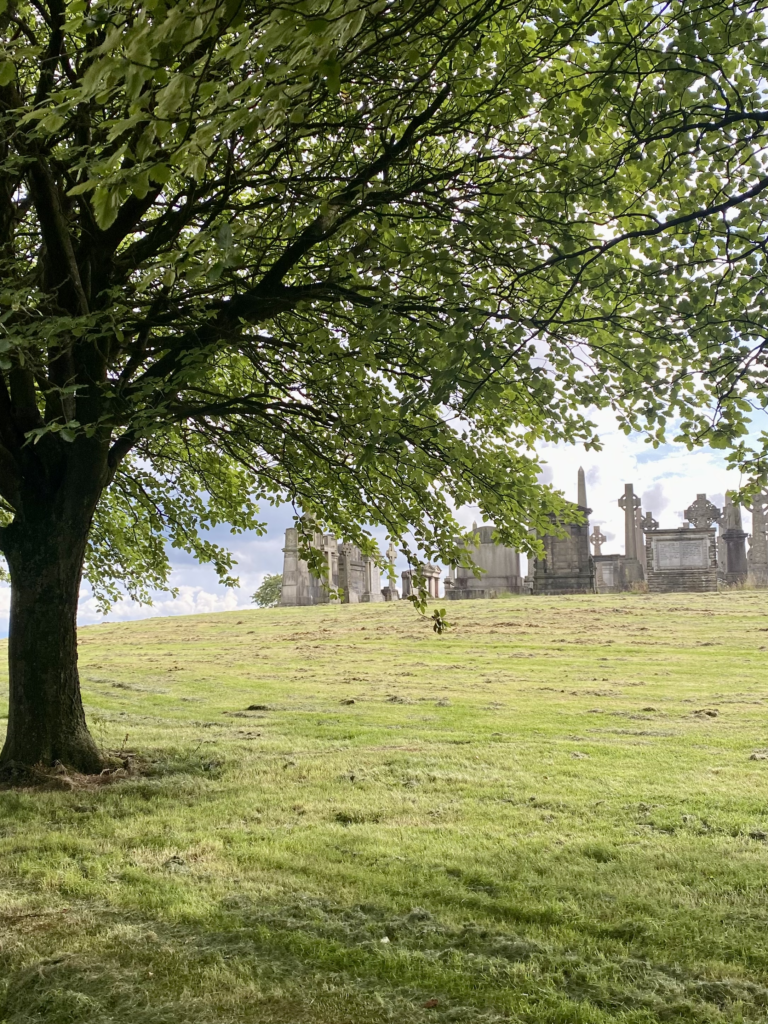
pixel 308 960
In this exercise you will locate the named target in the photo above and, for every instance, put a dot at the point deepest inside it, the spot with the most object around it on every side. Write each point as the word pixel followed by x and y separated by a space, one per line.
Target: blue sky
pixel 668 479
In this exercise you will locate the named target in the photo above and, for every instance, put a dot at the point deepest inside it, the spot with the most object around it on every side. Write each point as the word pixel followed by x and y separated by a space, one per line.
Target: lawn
pixel 557 812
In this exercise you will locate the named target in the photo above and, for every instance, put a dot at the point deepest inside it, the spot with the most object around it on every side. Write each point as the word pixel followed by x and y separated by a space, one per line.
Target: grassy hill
pixel 556 813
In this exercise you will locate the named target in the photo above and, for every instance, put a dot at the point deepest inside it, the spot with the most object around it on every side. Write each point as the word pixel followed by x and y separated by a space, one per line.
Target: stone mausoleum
pixel 500 565
pixel 355 574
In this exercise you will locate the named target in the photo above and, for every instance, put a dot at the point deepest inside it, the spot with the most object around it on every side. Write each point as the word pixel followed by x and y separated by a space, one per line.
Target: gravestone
pixel 630 504
pixel 609 574
pixel 359 577
pixel 685 560
pixel 501 565
pixel 597 539
pixel 432 575
pixel 389 591
pixel 702 514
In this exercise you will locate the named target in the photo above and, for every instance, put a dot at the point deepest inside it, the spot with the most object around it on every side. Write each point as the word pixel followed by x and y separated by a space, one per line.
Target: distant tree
pixel 355 254
pixel 267 595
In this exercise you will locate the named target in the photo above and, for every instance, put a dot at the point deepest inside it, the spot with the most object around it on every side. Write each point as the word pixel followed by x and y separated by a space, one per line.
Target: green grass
pixel 531 818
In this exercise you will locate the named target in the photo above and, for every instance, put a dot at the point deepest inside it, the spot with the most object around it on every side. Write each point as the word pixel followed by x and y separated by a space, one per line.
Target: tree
pixel 356 255
pixel 268 593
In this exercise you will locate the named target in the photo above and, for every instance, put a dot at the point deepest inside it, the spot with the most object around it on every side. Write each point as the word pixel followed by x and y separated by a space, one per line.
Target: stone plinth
pixel 501 575
pixel 681 561
pixel 610 577
pixel 733 557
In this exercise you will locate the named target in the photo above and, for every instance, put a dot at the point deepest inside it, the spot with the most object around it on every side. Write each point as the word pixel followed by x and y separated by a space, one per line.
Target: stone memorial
pixel 630 504
pixel 300 587
pixel 501 567
pixel 389 591
pixel 685 559
pixel 609 574
pixel 432 575
pixel 355 574
pixel 597 539
pixel 609 569
pixel 732 546
pixel 567 566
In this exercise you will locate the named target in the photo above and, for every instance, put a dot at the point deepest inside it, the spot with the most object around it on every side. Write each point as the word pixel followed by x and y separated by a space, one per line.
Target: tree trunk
pixel 46 722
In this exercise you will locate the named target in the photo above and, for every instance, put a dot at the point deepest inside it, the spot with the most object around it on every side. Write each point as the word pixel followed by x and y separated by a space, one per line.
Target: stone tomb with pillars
pixel 684 560
pixel 357 575
pixel 501 567
pixel 432 575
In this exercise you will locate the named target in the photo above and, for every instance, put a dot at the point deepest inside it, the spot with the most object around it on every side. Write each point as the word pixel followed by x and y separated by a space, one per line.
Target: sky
pixel 667 479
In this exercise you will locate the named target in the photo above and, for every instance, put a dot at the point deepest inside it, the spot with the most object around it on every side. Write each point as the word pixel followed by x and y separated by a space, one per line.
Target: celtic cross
pixel 702 513
pixel 623 501
pixel 598 539
pixel 648 523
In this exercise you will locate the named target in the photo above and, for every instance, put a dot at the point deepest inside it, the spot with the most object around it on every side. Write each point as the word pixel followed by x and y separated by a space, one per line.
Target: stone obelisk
pixel 582 491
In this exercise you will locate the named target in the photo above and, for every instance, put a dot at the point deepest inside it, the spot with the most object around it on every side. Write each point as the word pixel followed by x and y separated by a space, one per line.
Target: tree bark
pixel 46 721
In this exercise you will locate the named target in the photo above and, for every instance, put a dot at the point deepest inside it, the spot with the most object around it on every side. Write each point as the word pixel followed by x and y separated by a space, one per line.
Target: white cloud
pixel 190 601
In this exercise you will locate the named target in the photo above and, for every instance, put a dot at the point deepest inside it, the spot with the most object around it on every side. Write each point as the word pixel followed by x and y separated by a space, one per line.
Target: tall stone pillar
pixel 640 540
pixel 733 544
pixel 757 561
pixel 289 591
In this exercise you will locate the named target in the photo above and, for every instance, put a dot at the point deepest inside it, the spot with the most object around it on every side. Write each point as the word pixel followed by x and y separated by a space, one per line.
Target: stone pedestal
pixel 733 560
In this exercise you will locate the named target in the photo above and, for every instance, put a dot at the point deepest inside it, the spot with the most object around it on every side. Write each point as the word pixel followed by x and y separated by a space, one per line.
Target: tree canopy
pixel 267 594
pixel 358 255
pixel 362 255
